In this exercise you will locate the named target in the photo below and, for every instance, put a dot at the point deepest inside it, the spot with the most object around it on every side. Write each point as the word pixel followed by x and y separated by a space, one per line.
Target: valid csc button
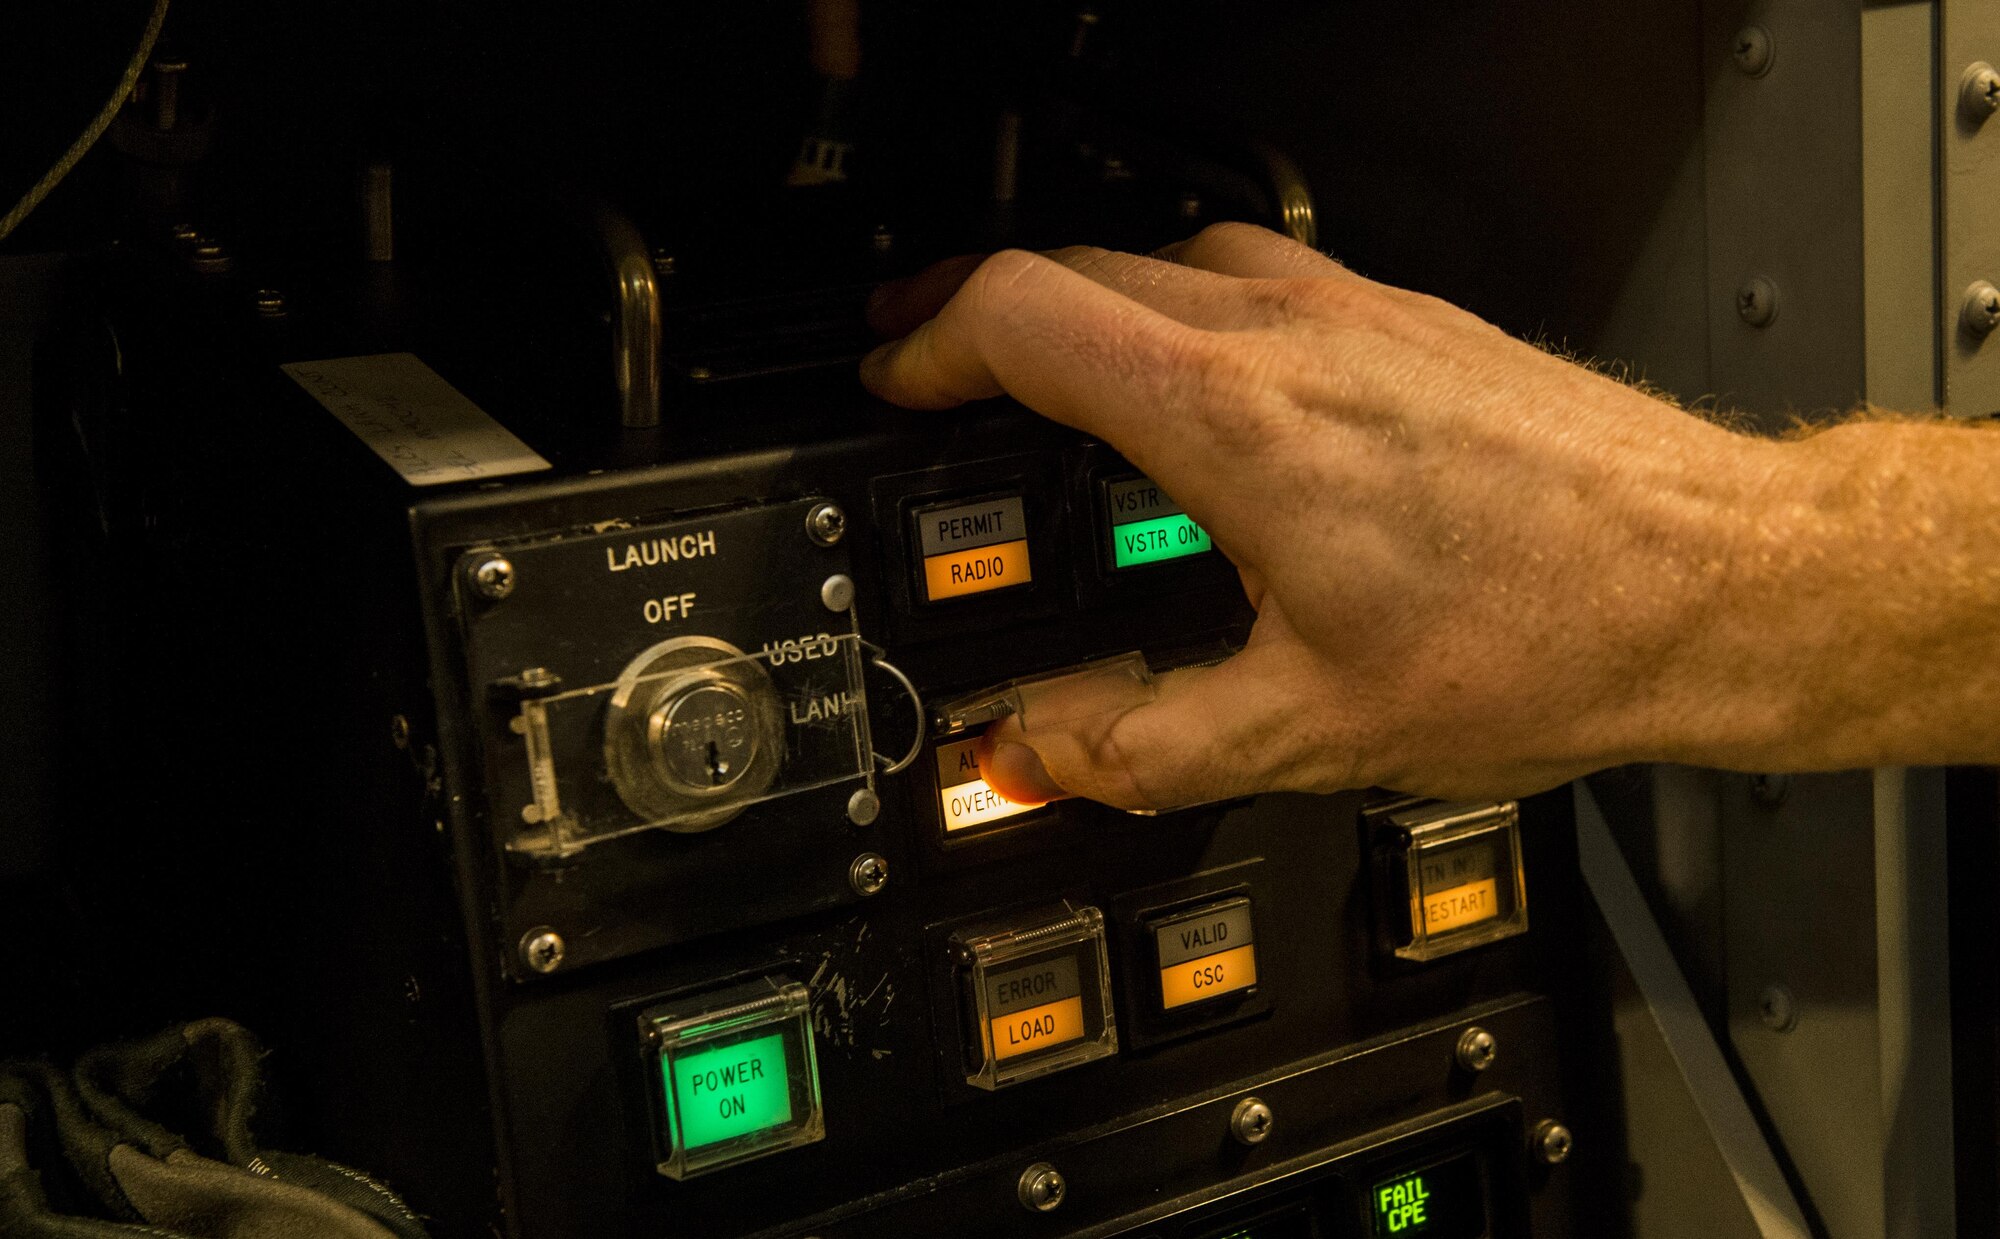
pixel 973 548
pixel 1205 954
pixel 734 1076
pixel 965 802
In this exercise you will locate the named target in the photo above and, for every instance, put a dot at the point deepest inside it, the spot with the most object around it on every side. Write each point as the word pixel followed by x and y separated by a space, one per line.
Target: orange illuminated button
pixel 1459 906
pixel 1205 952
pixel 976 571
pixel 1038 1028
pixel 1211 976
pixel 964 799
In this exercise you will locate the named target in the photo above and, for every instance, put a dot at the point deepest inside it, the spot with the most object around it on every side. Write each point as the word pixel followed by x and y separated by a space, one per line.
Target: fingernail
pixel 1016 772
pixel 875 365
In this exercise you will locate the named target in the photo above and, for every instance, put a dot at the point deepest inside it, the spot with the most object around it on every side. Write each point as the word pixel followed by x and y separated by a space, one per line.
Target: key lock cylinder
pixel 693 732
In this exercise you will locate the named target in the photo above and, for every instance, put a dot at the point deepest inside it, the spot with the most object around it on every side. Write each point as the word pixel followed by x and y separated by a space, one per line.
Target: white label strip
pixel 423 426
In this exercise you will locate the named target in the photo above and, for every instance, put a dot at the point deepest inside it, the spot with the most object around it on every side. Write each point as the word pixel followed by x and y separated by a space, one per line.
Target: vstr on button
pixel 1206 953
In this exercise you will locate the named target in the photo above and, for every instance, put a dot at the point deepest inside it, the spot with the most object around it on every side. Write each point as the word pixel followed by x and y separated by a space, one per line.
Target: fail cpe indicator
pixel 736 1076
pixel 1443 1201
pixel 1147 527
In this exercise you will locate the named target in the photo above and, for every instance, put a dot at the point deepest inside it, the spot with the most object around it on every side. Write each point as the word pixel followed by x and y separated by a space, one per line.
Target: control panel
pixel 817 972
pixel 698 916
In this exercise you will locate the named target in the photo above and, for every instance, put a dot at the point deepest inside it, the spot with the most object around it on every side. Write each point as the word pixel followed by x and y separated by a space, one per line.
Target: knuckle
pixel 1232 236
pixel 1001 277
pixel 1125 783
pixel 1231 377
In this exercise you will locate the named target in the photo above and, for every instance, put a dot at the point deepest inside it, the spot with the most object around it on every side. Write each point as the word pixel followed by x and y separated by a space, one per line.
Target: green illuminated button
pixel 732 1091
pixel 1443 1201
pixel 738 1077
pixel 1147 526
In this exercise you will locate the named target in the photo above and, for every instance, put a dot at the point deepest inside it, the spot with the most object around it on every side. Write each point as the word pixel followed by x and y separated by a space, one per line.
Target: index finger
pixel 1060 343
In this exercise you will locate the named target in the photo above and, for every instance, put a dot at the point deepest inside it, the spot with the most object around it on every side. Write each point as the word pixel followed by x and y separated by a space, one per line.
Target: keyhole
pixel 718 765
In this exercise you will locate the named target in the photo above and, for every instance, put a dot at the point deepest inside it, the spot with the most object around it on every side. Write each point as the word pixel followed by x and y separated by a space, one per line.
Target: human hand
pixel 1479 570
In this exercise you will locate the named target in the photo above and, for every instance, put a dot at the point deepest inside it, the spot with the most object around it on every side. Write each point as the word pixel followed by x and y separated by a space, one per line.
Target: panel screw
pixel 1190 205
pixel 1251 1121
pixel 542 949
pixel 1770 788
pixel 1757 301
pixel 164 88
pixel 826 524
pixel 270 303
pixel 1476 1050
pixel 1552 1142
pixel 210 258
pixel 837 592
pixel 1979 92
pixel 1752 51
pixel 863 807
pixel 883 239
pixel 1777 1010
pixel 493 577
pixel 1041 1188
pixel 1981 313
pixel 868 874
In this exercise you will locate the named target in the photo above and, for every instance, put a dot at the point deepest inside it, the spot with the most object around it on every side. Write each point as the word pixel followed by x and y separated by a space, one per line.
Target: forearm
pixel 1858 620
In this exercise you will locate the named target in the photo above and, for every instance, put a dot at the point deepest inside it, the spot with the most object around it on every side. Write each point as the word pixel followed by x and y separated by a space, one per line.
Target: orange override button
pixel 1211 976
pixel 1460 906
pixel 1038 1028
pixel 975 571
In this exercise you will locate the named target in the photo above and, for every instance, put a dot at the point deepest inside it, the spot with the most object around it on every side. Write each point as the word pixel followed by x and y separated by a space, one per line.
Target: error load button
pixel 1206 953
pixel 1035 1007
pixel 971 548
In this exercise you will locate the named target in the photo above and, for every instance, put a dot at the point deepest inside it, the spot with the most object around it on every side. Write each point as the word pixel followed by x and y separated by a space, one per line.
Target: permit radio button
pixel 972 547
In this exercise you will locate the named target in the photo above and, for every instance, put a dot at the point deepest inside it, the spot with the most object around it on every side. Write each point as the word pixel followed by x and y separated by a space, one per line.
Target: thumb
pixel 1207 733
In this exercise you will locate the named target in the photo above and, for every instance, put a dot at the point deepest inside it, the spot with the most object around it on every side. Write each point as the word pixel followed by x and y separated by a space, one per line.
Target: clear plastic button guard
pixel 1104 686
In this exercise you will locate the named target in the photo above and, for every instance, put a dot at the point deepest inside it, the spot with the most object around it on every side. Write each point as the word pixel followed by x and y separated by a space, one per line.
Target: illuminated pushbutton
pixel 1147 527
pixel 973 548
pixel 965 801
pixel 1451 876
pixel 1446 1200
pixel 1205 954
pixel 733 1076
pixel 1034 993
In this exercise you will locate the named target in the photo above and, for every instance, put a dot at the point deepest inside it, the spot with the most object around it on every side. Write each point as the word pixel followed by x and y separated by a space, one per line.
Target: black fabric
pixel 174 1112
pixel 25 1209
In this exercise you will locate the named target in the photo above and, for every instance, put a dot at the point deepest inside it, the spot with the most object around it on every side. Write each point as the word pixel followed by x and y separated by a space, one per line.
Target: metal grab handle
pixel 635 311
pixel 879 657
